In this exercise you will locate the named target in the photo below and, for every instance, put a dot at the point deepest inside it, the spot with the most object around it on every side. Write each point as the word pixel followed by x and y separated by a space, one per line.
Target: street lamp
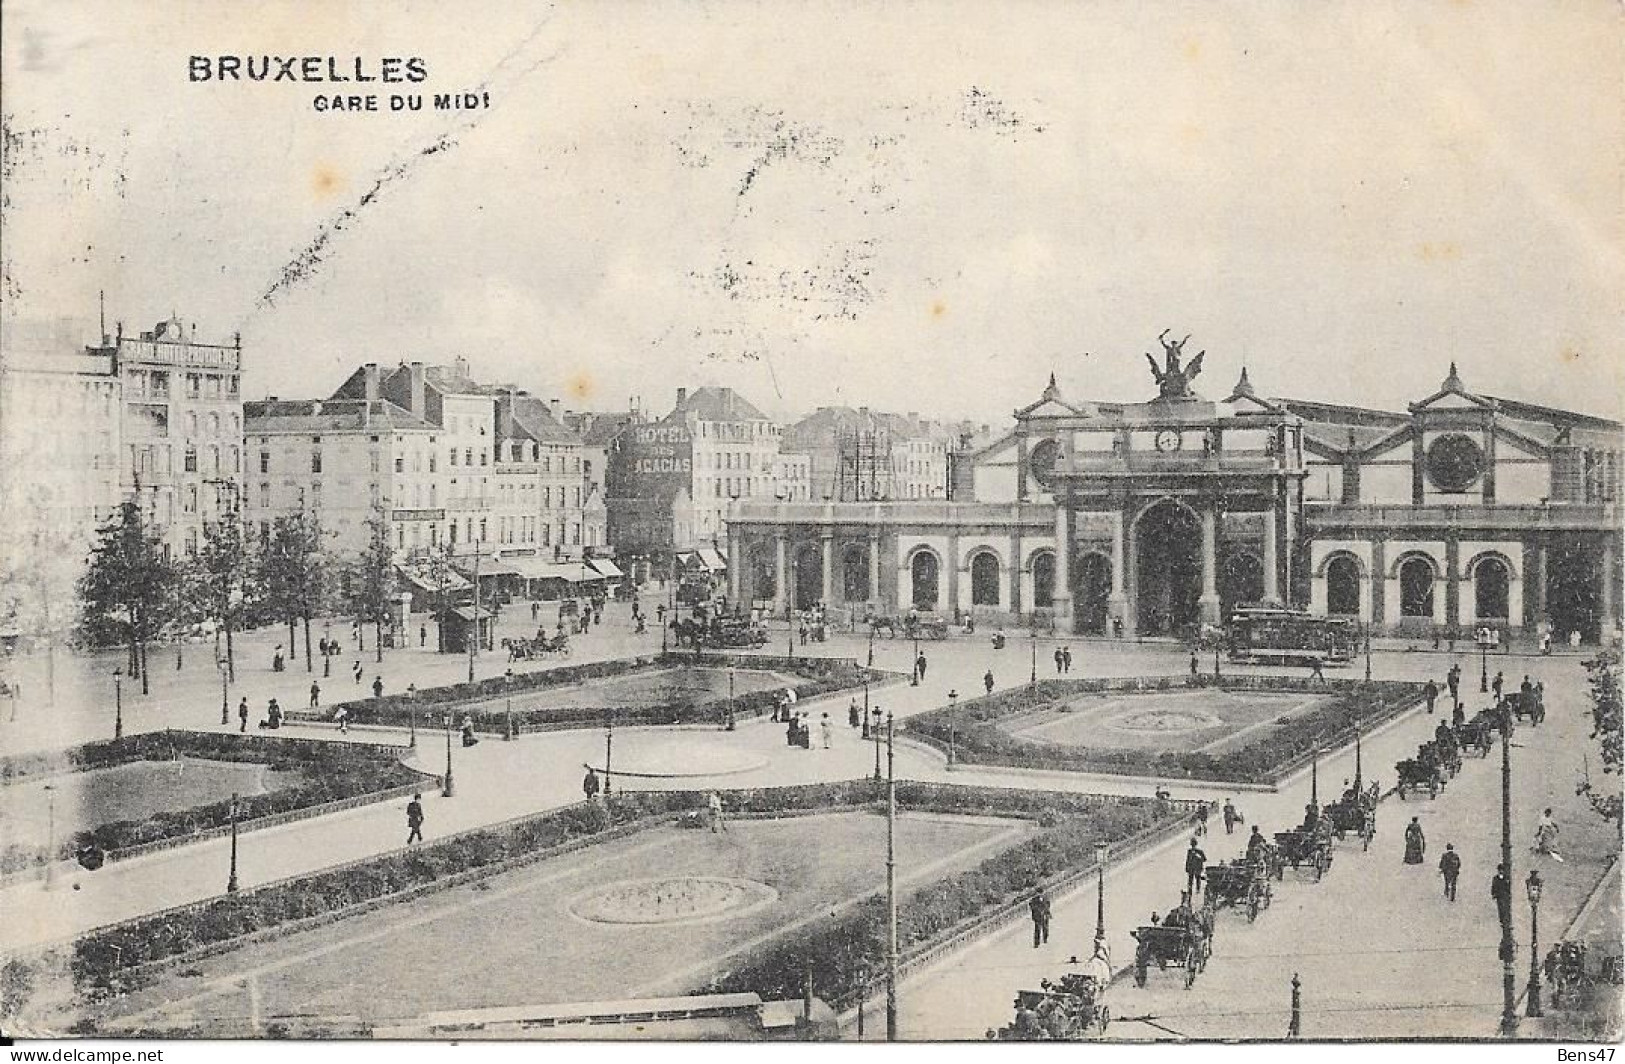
pixel 1101 853
pixel 231 880
pixel 874 732
pixel 731 672
pixel 1483 660
pixel 871 645
pixel 327 649
pixel 412 716
pixel 449 789
pixel 1368 652
pixel 225 707
pixel 118 703
pixel 50 836
pixel 1509 1005
pixel 1533 885
pixel 953 723
pixel 1033 679
pixel 609 746
pixel 914 666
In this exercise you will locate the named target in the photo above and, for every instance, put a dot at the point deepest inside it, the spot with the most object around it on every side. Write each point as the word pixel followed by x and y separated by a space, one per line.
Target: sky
pixel 912 206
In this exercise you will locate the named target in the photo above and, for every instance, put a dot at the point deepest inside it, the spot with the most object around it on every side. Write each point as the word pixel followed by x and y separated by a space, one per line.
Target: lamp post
pixel 1101 853
pixel 231 880
pixel 1533 886
pixel 914 665
pixel 225 698
pixel 118 703
pixel 953 724
pixel 1483 661
pixel 874 731
pixel 1033 679
pixel 449 789
pixel 871 646
pixel 412 716
pixel 327 649
pixel 1509 1005
pixel 1368 652
pixel 609 747
pixel 50 836
pixel 891 884
pixel 731 670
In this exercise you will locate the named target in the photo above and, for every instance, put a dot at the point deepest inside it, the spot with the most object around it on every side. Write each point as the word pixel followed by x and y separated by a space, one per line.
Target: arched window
pixel 984 579
pixel 1343 586
pixel 924 572
pixel 1044 580
pixel 1491 587
pixel 1416 588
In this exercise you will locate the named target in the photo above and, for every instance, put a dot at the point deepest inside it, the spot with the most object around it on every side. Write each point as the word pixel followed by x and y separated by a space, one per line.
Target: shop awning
pixel 432 582
pixel 606 568
pixel 493 567
pixel 569 572
pixel 467 613
pixel 712 559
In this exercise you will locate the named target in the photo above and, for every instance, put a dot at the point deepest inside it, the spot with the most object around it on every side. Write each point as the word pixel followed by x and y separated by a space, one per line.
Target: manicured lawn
pixel 656 687
pixel 133 791
pixel 517 938
pixel 1210 720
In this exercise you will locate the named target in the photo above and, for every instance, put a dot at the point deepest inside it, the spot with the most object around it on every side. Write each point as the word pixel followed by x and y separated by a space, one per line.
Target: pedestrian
pixel 1496 684
pixel 1416 843
pixel 853 717
pixel 1066 659
pixel 1038 906
pixel 414 819
pixel 803 635
pixel 1060 661
pixel 315 694
pixel 377 687
pixel 714 809
pixel 1257 847
pixel 987 680
pixel 357 670
pixel 1195 665
pixel 1501 891
pixel 589 784
pixel 423 635
pixel 1458 716
pixel 1546 835
pixel 1195 868
pixel 242 715
pixel 826 727
pixel 789 728
pixel 1201 819
pixel 1450 869
pixel 919 664
pixel 1230 817
pixel 1315 671
pixel 342 718
pixel 1431 692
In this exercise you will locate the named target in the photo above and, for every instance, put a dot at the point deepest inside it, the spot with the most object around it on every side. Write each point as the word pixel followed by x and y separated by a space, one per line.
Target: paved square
pixel 1211 721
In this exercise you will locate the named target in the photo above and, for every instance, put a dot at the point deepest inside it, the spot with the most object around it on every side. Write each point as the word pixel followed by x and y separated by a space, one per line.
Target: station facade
pixel 1152 518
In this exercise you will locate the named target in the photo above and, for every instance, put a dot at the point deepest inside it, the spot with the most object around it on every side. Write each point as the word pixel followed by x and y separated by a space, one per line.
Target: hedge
pixel 332 771
pixel 1074 823
pixel 975 731
pixel 818 676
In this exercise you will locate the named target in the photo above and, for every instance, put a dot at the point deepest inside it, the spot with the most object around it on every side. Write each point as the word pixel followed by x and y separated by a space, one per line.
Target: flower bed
pixel 978 738
pixel 332 771
pixel 1072 824
pixel 817 676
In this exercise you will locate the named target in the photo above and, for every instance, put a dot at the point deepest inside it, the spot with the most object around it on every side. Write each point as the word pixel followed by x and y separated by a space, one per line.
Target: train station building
pixel 1153 517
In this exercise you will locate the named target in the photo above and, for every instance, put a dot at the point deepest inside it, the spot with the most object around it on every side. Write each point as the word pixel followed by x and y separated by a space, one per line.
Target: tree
pixel 226 571
pixel 371 579
pixel 440 575
pixel 129 588
pixel 1603 674
pixel 294 574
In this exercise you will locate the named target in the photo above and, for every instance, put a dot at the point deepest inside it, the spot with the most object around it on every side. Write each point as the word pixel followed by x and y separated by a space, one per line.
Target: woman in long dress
pixel 1415 842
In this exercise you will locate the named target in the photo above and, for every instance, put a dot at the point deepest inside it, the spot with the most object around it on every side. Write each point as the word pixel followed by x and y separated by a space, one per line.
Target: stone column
pixel 1062 598
pixel 1013 600
pixel 951 564
pixel 1453 616
pixel 1540 583
pixel 1377 596
pixel 1117 603
pixel 736 567
pixel 1272 573
pixel 874 570
pixel 1606 624
pixel 827 541
pixel 1209 601
pixel 781 581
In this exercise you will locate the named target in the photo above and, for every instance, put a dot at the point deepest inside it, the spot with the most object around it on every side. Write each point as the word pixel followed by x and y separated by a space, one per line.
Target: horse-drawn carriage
pixel 1240 883
pixel 1354 814
pixel 1530 705
pixel 919 626
pixel 1418 773
pixel 731 632
pixel 1570 977
pixel 1183 943
pixel 1476 736
pixel 1305 848
pixel 1070 1009
pixel 540 647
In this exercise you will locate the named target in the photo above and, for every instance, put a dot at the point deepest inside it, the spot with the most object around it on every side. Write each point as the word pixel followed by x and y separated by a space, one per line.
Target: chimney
pixel 460 364
pixel 505 414
pixel 682 397
pixel 419 403
pixel 316 408
pixel 370 378
pixel 553 408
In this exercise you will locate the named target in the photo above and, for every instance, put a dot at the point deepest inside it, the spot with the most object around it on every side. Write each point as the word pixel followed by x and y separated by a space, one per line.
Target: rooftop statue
pixel 1174 382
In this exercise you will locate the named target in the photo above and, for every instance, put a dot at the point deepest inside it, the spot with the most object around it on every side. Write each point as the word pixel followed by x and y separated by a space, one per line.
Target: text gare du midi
pixel 332 70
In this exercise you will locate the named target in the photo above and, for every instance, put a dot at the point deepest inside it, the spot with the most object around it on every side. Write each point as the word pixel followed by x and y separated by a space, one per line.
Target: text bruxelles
pixel 327 69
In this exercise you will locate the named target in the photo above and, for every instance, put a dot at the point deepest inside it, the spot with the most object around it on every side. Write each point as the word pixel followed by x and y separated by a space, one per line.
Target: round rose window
pixel 1455 462
pixel 1042 461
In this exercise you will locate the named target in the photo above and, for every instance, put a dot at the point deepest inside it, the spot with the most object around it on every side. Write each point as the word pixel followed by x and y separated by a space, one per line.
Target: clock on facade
pixel 1168 440
pixel 1042 461
pixel 1454 462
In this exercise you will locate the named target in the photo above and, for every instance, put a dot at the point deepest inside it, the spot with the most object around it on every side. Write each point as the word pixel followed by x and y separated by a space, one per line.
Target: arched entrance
pixel 924 578
pixel 855 574
pixel 1043 566
pixel 1343 586
pixel 1492 585
pixel 764 577
pixel 984 579
pixel 809 577
pixel 1574 590
pixel 1416 589
pixel 1241 581
pixel 1094 591
pixel 1167 569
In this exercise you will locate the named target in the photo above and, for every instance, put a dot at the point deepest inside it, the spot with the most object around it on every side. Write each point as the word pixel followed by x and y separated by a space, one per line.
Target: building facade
pixel 1157 517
